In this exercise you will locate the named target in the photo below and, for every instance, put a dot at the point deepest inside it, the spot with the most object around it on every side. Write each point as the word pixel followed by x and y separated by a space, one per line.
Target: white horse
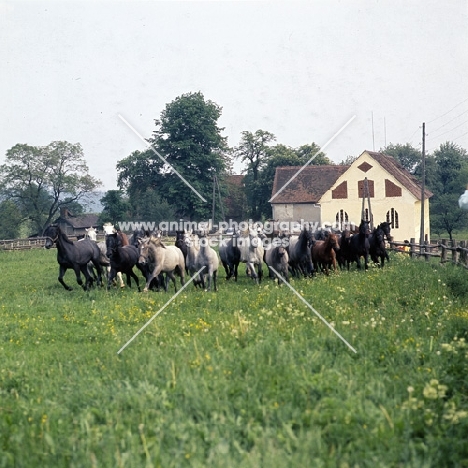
pixel 91 233
pixel 108 228
pixel 251 250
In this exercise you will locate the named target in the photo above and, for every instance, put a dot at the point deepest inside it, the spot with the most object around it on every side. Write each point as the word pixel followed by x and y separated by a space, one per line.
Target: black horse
pixel 359 245
pixel 75 255
pixel 122 258
pixel 230 256
pixel 180 242
pixel 300 258
pixel 377 250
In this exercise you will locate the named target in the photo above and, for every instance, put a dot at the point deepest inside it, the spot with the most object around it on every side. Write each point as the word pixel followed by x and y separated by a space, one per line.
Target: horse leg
pixel 250 267
pixel 88 278
pixel 121 281
pixel 111 277
pixel 227 269
pixel 98 266
pixel 170 274
pixel 155 273
pixel 62 270
pixel 132 274
pixel 77 271
pixel 181 272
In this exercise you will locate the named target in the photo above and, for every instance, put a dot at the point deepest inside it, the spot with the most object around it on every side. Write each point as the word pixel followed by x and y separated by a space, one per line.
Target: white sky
pixel 297 69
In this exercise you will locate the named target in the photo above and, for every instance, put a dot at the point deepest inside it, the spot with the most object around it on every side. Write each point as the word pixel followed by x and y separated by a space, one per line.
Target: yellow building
pixel 332 195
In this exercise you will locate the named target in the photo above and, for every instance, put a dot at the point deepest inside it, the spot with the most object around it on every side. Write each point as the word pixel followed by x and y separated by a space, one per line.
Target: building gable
pixel 296 184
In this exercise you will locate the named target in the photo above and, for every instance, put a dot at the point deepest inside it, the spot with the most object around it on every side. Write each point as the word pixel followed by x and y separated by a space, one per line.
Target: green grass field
pixel 246 377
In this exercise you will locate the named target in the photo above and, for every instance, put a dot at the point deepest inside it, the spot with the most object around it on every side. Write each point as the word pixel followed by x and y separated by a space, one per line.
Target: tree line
pixel 35 182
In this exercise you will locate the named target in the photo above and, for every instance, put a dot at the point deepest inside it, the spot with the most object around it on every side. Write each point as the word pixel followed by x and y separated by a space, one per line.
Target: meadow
pixel 246 377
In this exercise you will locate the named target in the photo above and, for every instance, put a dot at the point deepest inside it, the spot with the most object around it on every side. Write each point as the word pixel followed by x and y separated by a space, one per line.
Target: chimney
pixel 64 213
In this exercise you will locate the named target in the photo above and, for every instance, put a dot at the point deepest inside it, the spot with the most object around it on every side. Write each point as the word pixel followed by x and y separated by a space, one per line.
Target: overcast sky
pixel 300 70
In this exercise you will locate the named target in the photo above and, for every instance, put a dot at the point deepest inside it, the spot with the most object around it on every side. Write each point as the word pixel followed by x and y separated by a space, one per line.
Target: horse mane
pixel 64 236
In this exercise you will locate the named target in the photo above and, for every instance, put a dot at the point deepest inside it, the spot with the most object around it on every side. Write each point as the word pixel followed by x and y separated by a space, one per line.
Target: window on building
pixel 342 220
pixel 392 218
pixel 341 191
pixel 370 186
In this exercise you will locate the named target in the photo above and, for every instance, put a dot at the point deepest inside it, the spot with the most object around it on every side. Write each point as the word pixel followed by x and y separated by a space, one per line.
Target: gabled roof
pixel 235 179
pixel 80 221
pixel 307 187
pixel 392 166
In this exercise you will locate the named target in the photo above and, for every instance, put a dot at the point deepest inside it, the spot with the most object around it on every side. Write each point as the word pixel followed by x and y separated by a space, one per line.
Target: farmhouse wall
pixel 296 212
pixel 406 207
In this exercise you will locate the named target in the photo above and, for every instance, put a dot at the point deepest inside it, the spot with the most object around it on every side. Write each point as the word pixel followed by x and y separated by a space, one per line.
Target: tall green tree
pixel 43 179
pixel 253 149
pixel 10 220
pixel 449 178
pixel 116 207
pixel 150 206
pixel 306 152
pixel 189 140
pixel 408 156
pixel 279 155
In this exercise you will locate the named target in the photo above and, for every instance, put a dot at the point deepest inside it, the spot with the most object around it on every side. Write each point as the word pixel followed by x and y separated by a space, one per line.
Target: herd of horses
pixel 304 254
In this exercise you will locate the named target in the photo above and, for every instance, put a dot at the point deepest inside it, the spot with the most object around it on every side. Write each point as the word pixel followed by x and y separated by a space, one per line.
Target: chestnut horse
pixel 324 253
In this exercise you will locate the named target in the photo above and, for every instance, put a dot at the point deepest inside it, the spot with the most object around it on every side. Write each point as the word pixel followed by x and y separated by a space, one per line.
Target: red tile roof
pixel 314 181
pixel 307 187
pixel 392 166
pixel 235 179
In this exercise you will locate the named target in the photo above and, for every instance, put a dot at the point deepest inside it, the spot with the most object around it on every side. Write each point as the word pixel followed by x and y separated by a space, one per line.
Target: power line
pixel 408 140
pixel 447 131
pixel 453 139
pixel 450 121
pixel 448 112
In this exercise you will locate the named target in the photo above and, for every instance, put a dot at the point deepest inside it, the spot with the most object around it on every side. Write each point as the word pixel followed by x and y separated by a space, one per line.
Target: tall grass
pixel 245 377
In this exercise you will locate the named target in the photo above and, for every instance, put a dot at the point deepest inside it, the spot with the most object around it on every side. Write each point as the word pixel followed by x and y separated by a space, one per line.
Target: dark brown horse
pixel 359 245
pixel 123 257
pixel 75 255
pixel 324 253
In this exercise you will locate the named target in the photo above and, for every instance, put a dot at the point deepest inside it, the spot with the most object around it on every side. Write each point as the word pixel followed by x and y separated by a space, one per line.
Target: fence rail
pixel 446 250
pixel 23 244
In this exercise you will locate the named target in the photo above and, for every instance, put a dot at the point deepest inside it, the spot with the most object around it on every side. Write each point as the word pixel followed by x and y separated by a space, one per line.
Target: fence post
pixel 412 248
pixel 462 259
pixel 443 255
pixel 426 250
pixel 454 252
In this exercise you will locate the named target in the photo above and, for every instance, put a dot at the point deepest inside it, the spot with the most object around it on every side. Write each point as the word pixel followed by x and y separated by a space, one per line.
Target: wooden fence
pixel 32 243
pixel 445 250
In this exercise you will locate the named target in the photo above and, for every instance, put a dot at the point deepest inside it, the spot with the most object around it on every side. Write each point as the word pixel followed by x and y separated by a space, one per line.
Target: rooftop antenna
pixel 385 132
pixel 373 140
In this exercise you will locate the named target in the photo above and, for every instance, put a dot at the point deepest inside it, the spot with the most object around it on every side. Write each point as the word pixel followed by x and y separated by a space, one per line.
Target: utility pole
pixel 385 132
pixel 373 140
pixel 423 172
pixel 214 203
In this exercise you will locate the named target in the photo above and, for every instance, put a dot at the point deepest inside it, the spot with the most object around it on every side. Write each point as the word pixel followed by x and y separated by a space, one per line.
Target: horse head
pixel 379 237
pixel 143 250
pixel 112 244
pixel 332 240
pixel 91 233
pixel 364 227
pixel 385 226
pixel 51 234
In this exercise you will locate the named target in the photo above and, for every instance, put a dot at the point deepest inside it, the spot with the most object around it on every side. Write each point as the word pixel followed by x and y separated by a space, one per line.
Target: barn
pixel 76 225
pixel 333 194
